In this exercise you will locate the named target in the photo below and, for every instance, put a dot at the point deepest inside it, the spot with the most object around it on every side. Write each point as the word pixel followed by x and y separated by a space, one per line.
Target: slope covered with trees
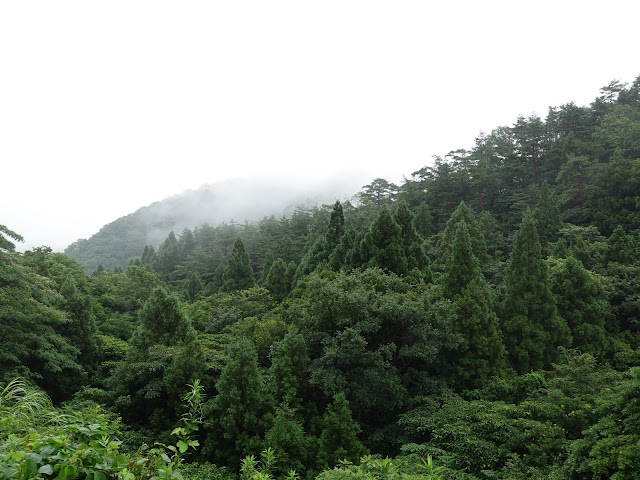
pixel 479 321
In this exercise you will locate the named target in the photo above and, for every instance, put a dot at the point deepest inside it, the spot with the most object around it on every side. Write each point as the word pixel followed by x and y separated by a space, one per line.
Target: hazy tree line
pixel 484 315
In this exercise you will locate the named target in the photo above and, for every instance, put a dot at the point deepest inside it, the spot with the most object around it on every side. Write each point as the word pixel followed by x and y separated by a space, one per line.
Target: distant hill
pixel 238 200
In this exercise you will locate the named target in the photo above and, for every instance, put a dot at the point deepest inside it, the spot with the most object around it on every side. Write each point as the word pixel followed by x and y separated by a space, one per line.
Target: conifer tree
pixel 163 355
pixel 192 286
pixel 339 438
pixel 462 265
pixel 481 353
pixel 266 265
pixel 618 247
pixel 278 281
pixel 382 245
pixel 547 217
pixel 422 221
pixel 336 227
pixel 583 304
pixel 238 275
pixel 81 330
pixel 411 239
pixel 478 243
pixel 289 370
pixel 238 409
pixel 532 328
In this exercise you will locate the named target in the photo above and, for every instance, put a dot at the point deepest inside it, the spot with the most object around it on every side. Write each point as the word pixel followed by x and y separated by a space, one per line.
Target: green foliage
pixel 339 438
pixel 163 355
pixel 582 302
pixel 237 413
pixel 531 325
pixel 238 275
pixel 382 246
pixel 372 336
pixel 5 243
pixel 31 328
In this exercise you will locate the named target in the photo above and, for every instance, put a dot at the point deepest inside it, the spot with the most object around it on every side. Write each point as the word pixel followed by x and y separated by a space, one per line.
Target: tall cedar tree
pixel 238 275
pixel 547 217
pixel 163 356
pixel 532 328
pixel 237 413
pixel 278 281
pixel 411 240
pixel 382 245
pixel 582 302
pixel 81 329
pixel 481 353
pixel 289 371
pixel 478 243
pixel 322 253
pixel 339 438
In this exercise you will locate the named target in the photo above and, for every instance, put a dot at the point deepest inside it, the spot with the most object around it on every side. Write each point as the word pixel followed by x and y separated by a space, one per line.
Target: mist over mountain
pixel 232 201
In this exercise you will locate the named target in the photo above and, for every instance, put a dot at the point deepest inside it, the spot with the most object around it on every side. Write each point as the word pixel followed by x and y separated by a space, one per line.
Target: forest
pixel 481 320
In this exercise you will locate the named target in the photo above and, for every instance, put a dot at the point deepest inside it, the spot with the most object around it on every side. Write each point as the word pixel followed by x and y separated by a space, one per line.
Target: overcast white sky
pixel 109 106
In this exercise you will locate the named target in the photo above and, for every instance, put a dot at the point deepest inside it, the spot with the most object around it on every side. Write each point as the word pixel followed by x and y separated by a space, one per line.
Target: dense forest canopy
pixel 480 320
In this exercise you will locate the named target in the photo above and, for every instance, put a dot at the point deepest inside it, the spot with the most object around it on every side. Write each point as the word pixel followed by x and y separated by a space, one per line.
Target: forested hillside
pixel 232 201
pixel 479 321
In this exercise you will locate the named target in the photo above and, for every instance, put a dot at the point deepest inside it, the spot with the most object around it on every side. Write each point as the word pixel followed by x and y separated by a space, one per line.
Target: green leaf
pixel 182 446
pixel 99 476
pixel 68 472
pixel 30 467
pixel 46 469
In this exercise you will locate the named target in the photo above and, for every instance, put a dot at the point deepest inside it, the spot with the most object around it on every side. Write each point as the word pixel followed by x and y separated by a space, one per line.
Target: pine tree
pixel 531 325
pixel 238 275
pixel 382 245
pixel 339 439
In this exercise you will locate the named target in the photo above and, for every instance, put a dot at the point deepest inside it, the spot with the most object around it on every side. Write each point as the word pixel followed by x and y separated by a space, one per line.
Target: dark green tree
pixel 163 355
pixel 278 280
pixel 532 328
pixel 382 246
pixel 481 353
pixel 192 286
pixel 238 275
pixel 582 302
pixel 289 371
pixel 339 438
pixel 266 266
pixel 411 240
pixel 81 330
pixel 31 328
pixel 237 413
pixel 478 243
pixel 547 217
pixel 619 247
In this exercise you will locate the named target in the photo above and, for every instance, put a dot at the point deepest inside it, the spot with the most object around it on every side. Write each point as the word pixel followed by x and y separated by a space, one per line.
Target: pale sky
pixel 108 106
